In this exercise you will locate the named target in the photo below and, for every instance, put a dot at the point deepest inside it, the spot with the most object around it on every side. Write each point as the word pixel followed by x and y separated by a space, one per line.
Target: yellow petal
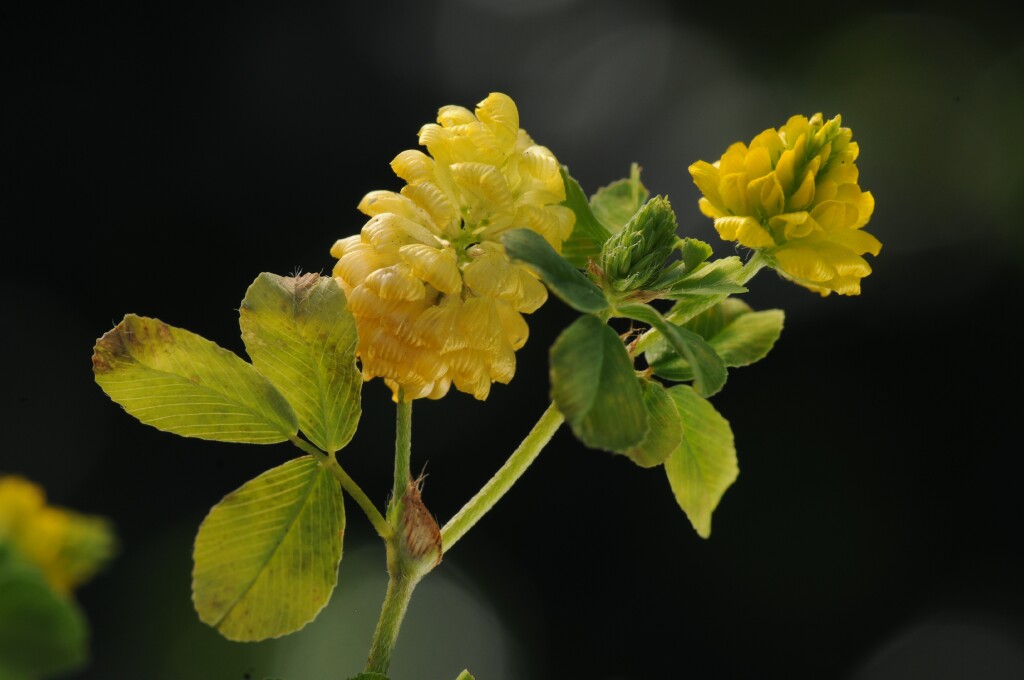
pixel 758 162
pixel 865 208
pixel 396 282
pixel 857 241
pixel 500 114
pixel 389 230
pixel 513 325
pixel 450 116
pixel 358 262
pixel 707 178
pixel 479 322
pixel 770 140
pixel 438 267
pixel 710 210
pixel 483 183
pixel 531 292
pixel 734 192
pixel 435 203
pixel 413 166
pixel 803 262
pixel 542 168
pixel 803 195
pixel 793 225
pixel 343 245
pixel 377 202
pixel 746 230
pixel 835 215
pixel 733 160
pixel 439 326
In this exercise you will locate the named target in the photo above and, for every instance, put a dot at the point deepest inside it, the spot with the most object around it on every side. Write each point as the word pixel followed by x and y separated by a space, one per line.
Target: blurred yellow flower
pixel 436 300
pixel 68 548
pixel 793 195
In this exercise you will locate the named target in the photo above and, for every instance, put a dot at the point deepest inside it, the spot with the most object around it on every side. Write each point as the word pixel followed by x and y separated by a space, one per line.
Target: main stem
pixel 503 479
pixel 403 451
pixel 400 586
pixel 403 573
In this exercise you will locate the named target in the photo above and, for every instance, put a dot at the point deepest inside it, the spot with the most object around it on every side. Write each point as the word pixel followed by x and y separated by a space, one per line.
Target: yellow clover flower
pixel 436 299
pixel 68 548
pixel 793 195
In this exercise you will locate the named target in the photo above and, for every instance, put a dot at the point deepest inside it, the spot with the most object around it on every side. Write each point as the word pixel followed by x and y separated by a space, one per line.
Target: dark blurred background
pixel 157 157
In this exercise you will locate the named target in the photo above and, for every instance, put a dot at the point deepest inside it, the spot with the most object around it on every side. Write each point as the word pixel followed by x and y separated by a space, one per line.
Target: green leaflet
pixel 664 430
pixel 704 465
pixel 740 336
pixel 179 382
pixel 709 372
pixel 615 204
pixel 266 557
pixel 301 336
pixel 562 278
pixel 589 234
pixel 708 278
pixel 594 385
pixel 371 676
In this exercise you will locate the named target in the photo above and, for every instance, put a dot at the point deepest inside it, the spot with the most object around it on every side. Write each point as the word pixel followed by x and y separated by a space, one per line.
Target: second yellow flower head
pixel 793 194
pixel 436 300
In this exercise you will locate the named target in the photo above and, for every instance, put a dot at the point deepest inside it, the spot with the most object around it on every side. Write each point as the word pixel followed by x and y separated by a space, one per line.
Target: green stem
pixel 503 479
pixel 403 450
pixel 396 601
pixel 348 484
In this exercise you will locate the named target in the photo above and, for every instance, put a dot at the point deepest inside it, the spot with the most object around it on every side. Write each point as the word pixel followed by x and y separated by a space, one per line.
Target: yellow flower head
pixel 793 194
pixel 436 300
pixel 68 548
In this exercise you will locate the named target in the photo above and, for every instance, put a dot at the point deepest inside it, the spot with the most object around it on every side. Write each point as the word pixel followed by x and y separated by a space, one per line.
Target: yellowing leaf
pixel 300 334
pixel 266 557
pixel 179 382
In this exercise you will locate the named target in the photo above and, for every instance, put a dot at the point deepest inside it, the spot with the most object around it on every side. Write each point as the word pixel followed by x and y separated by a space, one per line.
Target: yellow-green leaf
pixel 300 334
pixel 179 382
pixel 704 465
pixel 266 557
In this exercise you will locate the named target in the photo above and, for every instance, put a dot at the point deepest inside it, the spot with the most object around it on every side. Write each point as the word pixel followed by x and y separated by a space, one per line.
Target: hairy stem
pixel 403 452
pixel 396 601
pixel 503 479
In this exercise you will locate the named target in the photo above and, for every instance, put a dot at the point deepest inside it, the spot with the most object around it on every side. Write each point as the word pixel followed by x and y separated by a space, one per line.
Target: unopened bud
pixel 633 258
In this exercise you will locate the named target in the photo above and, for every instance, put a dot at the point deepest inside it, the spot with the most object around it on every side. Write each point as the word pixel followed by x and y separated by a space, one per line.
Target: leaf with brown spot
pixel 179 382
pixel 302 337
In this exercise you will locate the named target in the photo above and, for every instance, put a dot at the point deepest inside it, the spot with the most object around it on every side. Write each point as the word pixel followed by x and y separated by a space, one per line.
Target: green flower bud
pixel 633 258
